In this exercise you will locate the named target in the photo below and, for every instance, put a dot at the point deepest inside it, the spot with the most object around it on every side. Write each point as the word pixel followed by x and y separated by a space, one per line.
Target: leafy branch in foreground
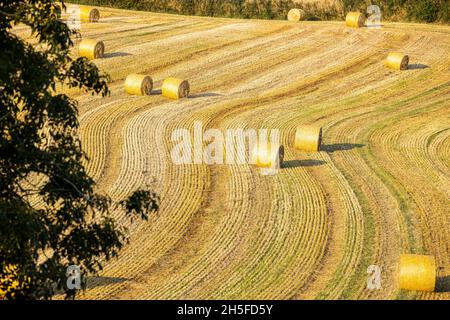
pixel 50 215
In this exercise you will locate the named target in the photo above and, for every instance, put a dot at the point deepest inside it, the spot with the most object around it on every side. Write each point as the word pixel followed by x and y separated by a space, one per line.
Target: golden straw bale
pixel 139 84
pixel 296 15
pixel 355 20
pixel 91 49
pixel 308 138
pixel 267 156
pixel 174 88
pixel 88 14
pixel 397 61
pixel 417 272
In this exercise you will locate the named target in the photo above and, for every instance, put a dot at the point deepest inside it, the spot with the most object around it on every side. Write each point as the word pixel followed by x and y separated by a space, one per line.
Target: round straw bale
pixel 91 49
pixel 175 88
pixel 355 20
pixel 397 61
pixel 267 156
pixel 138 84
pixel 296 15
pixel 88 14
pixel 417 273
pixel 308 138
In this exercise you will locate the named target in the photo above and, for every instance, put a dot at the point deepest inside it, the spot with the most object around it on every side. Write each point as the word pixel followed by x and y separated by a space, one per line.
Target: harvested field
pixel 379 187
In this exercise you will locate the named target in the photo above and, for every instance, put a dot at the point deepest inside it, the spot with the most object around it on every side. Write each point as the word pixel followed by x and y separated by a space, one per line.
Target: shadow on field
pixel 204 95
pixel 443 284
pixel 340 147
pixel 302 163
pixel 191 96
pixel 374 26
pixel 93 282
pixel 116 54
pixel 417 66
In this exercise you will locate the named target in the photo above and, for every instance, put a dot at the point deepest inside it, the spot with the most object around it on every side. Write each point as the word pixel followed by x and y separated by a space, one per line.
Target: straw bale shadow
pixel 417 66
pixel 116 54
pixel 93 282
pixel 204 95
pixel 374 26
pixel 330 148
pixel 302 163
pixel 443 284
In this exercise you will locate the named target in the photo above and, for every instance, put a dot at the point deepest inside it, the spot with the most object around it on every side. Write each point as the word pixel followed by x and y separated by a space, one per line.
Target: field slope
pixel 380 187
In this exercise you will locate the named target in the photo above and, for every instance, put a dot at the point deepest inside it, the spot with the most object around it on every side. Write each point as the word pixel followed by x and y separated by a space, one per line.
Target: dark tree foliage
pixel 410 10
pixel 50 215
pixel 415 10
pixel 263 9
pixel 424 10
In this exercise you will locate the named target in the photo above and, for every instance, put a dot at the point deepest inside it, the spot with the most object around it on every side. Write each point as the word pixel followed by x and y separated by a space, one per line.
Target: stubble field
pixel 379 188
